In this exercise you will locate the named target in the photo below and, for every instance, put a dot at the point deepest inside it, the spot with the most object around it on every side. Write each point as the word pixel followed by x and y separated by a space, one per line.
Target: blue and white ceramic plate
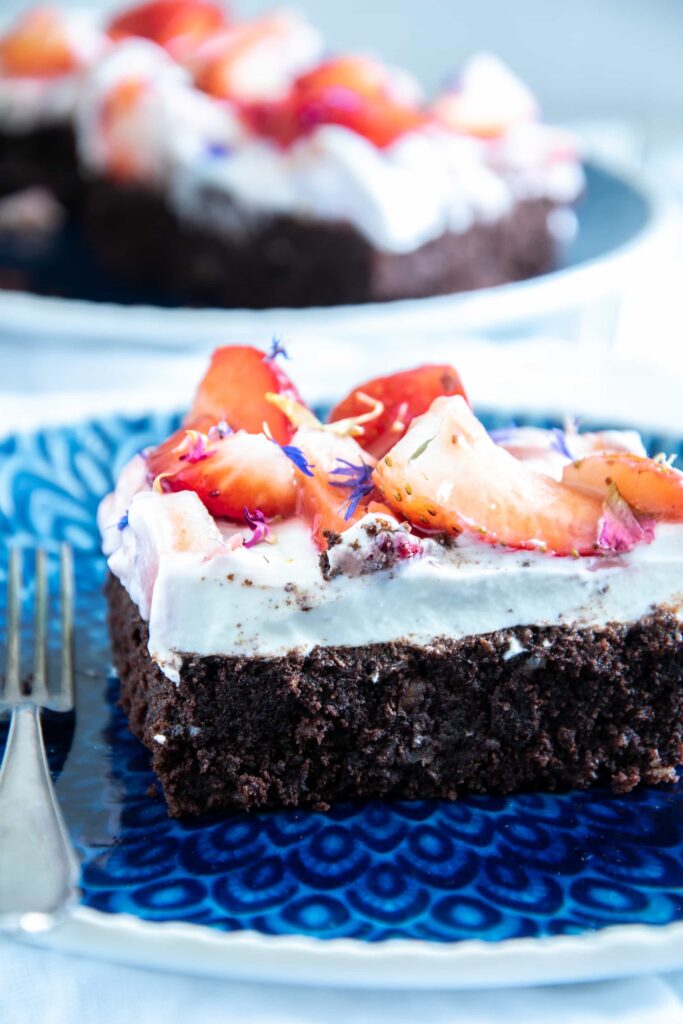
pixel 481 892
pixel 622 230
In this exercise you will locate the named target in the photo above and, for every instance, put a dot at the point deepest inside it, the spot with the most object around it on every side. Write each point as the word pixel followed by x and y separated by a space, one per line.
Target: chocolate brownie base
pixel 577 707
pixel 46 157
pixel 282 261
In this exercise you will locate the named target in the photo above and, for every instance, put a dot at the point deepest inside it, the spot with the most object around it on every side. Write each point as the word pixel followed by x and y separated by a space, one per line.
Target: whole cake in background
pixel 238 163
pixel 392 603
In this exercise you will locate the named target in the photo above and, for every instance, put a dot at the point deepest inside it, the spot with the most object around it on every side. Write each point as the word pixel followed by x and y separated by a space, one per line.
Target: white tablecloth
pixel 48 988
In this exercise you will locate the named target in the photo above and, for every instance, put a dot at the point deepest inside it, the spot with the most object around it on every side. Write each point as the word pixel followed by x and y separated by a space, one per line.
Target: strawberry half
pixel 405 395
pixel 37 46
pixel 228 474
pixel 234 389
pixel 177 25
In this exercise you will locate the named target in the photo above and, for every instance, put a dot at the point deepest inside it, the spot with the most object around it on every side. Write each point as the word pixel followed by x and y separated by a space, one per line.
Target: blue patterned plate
pixel 484 891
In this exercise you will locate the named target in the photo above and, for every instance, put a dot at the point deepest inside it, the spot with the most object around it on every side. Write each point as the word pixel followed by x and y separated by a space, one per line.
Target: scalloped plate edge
pixel 613 952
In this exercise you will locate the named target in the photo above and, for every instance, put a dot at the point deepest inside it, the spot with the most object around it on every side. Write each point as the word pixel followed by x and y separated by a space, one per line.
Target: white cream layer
pixel 429 182
pixel 202 598
pixel 164 131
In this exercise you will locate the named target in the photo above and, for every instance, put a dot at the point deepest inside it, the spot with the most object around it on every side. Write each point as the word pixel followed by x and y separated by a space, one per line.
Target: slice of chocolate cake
pixel 336 185
pixel 394 603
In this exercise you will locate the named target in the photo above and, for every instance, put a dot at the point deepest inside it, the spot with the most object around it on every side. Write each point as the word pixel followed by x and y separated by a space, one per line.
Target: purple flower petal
pixel 358 479
pixel 276 349
pixel 256 521
pixel 619 529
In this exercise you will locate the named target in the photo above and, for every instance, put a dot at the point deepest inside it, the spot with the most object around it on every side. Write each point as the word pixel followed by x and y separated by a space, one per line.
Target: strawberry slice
pixel 234 388
pixel 358 74
pixel 339 487
pixel 651 488
pixel 230 66
pixel 228 474
pixel 447 474
pixel 380 122
pixel 38 46
pixel 354 92
pixel 177 25
pixel 404 395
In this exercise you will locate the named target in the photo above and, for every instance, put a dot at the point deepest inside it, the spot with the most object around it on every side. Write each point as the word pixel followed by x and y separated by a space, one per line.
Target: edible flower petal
pixel 298 458
pixel 219 431
pixel 194 447
pixel 358 479
pixel 276 349
pixel 256 521
pixel 619 529
pixel 559 443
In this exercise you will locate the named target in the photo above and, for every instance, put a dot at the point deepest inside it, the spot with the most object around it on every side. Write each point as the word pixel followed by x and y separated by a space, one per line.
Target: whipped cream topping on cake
pixel 348 562
pixel 428 182
pixel 202 143
pixel 140 119
pixel 398 197
pixel 30 101
pixel 202 597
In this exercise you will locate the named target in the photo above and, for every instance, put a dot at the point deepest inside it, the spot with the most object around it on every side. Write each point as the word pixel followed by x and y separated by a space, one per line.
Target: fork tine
pixel 39 684
pixel 12 691
pixel 66 592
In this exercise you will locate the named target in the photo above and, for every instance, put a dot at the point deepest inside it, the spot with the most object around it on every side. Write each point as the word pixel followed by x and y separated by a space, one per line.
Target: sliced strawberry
pixel 38 46
pixel 359 74
pixel 234 389
pixel 651 488
pixel 222 68
pixel 177 25
pixel 327 498
pixel 447 474
pixel 404 395
pixel 380 122
pixel 377 507
pixel 228 474
pixel 276 120
pixel 353 92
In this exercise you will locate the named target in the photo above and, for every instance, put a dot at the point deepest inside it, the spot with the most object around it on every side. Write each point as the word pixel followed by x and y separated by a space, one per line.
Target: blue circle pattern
pixel 485 867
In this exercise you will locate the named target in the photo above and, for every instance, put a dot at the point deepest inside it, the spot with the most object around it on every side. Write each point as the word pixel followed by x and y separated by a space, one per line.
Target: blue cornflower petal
pixel 298 458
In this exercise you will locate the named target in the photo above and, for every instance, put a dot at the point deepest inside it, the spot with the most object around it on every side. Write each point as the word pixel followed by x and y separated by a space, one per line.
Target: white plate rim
pixel 85 321
pixel 612 952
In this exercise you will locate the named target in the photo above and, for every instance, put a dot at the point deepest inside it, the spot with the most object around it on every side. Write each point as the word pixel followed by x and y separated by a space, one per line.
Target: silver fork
pixel 38 865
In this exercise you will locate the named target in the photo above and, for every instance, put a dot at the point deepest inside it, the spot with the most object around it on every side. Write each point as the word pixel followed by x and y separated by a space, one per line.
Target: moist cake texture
pixel 395 603
pixel 530 708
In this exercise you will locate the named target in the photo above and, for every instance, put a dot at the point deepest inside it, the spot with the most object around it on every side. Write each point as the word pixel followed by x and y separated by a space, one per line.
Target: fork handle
pixel 38 868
